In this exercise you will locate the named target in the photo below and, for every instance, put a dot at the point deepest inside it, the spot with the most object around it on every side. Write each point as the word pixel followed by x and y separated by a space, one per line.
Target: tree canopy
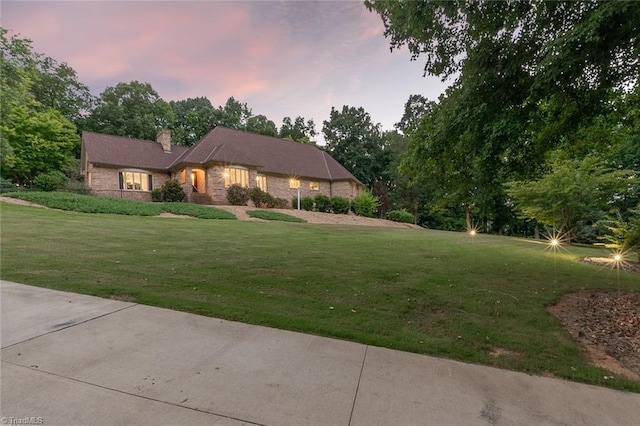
pixel 131 109
pixel 531 77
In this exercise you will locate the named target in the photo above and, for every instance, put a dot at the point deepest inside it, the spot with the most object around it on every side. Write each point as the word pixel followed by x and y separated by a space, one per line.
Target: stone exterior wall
pixel 346 189
pixel 104 181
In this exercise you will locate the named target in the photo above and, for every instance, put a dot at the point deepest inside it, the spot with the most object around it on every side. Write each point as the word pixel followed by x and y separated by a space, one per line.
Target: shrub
pixel 196 210
pixel 6 185
pixel 258 196
pixel 365 204
pixel 237 195
pixel 172 192
pixel 306 203
pixel 294 203
pixel 50 181
pixel 340 205
pixel 156 195
pixel 400 216
pixel 323 203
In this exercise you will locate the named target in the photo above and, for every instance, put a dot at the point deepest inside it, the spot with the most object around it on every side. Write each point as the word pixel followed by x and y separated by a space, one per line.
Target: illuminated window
pixel 261 182
pixel 314 186
pixel 294 183
pixel 236 176
pixel 135 181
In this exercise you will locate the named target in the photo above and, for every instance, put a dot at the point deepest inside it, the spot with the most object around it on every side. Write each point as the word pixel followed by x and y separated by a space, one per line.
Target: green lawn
pixel 269 215
pixel 432 292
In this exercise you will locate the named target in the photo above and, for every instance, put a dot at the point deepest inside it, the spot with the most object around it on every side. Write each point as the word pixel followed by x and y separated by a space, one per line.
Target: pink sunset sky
pixel 283 58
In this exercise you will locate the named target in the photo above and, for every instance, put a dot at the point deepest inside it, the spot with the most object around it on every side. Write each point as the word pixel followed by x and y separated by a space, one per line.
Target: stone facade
pixel 105 182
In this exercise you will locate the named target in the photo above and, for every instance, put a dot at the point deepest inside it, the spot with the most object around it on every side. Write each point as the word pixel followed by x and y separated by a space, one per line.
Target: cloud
pixel 282 58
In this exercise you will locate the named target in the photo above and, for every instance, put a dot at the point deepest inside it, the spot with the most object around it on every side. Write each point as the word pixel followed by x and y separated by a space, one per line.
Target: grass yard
pixel 268 215
pixel 431 292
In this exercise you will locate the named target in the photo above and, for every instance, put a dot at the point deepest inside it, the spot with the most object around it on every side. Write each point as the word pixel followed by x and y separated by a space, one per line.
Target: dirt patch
pixel 607 325
pixel 175 216
pixel 20 202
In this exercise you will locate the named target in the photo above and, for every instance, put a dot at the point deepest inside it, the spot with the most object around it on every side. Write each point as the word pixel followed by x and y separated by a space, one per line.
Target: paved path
pixel 70 359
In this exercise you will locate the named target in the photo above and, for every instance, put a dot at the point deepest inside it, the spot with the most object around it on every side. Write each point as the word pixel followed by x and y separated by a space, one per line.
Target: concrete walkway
pixel 69 359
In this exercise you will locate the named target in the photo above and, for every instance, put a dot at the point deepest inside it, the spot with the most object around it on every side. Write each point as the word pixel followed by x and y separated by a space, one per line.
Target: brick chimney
pixel 164 139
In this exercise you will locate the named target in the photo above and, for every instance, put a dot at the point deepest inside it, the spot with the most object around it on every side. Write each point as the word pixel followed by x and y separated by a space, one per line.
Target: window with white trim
pixel 135 181
pixel 236 176
pixel 314 186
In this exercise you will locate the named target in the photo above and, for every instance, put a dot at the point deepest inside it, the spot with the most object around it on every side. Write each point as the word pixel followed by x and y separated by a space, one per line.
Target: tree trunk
pixel 467 215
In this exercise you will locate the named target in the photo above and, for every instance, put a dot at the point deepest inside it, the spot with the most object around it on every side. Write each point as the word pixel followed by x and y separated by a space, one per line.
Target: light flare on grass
pixel 555 241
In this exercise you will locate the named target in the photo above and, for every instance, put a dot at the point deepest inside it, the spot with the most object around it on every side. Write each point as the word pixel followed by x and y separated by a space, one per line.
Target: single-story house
pixel 117 166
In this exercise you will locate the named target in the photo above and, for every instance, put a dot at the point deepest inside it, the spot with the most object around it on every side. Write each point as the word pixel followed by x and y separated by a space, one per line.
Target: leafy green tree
pixel 42 141
pixel 529 75
pixel 130 109
pixel 565 45
pixel 573 191
pixel 414 109
pixel 233 114
pixel 356 143
pixel 193 118
pixel 34 138
pixel 57 87
pixel 298 130
pixel 624 235
pixel 261 125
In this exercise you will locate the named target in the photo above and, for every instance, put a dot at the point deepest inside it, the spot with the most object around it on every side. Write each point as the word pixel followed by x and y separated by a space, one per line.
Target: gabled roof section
pixel 127 152
pixel 268 154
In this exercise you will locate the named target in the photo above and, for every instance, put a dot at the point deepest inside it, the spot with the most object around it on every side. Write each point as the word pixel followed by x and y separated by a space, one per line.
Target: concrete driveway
pixel 70 359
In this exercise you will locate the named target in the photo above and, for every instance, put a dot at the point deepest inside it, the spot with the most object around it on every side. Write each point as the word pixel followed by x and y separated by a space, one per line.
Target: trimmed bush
pixel 307 203
pixel 340 205
pixel 323 203
pixel 237 195
pixel 400 216
pixel 156 195
pixel 365 204
pixel 50 181
pixel 294 203
pixel 172 192
pixel 258 196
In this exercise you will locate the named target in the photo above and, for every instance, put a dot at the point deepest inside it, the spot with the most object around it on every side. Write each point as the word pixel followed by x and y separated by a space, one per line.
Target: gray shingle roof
pixel 268 154
pixel 221 145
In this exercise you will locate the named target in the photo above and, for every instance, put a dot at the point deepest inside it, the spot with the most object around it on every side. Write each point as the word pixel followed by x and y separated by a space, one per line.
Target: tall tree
pixel 356 143
pixel 41 142
pixel 193 118
pixel 34 138
pixel 261 125
pixel 529 75
pixel 58 87
pixel 130 109
pixel 233 114
pixel 298 130
pixel 414 109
